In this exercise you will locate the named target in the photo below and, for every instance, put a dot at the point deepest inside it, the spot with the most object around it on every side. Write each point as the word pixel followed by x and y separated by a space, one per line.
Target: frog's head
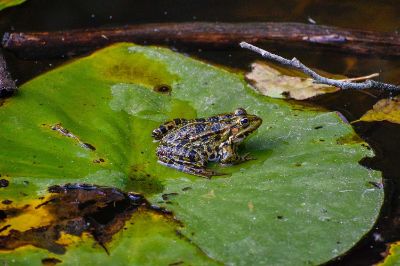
pixel 245 124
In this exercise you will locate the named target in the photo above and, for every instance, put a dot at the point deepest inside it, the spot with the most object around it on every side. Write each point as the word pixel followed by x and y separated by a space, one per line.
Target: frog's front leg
pixel 229 155
pixel 185 160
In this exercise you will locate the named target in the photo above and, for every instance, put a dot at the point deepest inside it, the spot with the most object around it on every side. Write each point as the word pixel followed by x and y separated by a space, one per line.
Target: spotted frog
pixel 187 145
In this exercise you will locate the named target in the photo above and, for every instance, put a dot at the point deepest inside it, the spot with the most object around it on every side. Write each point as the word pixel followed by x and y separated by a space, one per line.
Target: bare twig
pixel 7 84
pixel 296 64
pixel 370 76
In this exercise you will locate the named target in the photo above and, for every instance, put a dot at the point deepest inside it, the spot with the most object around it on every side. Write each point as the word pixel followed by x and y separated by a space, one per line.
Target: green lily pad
pixel 8 3
pixel 304 200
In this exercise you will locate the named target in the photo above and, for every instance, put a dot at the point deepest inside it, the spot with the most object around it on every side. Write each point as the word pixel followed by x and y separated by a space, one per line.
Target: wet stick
pixel 205 35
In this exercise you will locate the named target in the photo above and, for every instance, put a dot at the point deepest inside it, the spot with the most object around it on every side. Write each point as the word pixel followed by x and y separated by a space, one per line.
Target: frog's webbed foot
pixel 246 157
pixel 202 172
pixel 236 159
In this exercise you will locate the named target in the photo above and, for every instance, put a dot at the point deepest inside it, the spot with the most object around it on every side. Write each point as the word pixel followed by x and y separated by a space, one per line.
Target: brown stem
pixel 7 84
pixel 205 35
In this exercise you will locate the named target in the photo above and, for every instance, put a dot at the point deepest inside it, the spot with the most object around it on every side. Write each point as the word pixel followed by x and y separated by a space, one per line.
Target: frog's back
pixel 190 127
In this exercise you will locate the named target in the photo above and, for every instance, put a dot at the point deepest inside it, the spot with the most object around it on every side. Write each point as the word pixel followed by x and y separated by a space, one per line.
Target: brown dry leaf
pixel 385 109
pixel 273 83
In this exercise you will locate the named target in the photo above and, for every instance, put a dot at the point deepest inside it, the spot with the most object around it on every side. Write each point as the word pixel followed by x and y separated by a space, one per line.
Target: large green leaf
pixel 305 199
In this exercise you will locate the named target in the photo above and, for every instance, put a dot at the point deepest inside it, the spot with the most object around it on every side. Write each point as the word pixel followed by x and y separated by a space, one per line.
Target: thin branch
pixel 370 76
pixel 296 64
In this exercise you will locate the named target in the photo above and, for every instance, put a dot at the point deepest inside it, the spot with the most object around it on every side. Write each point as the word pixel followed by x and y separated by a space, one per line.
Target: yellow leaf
pixel 385 109
pixel 391 255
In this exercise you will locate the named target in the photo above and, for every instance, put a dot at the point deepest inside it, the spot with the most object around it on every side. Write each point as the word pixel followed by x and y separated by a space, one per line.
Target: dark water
pixel 49 15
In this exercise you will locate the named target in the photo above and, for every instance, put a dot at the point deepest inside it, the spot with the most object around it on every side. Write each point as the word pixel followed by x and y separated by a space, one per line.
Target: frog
pixel 188 145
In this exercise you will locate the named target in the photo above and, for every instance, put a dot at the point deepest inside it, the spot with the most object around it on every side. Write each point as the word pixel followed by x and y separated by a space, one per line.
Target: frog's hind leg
pixel 184 160
pixel 163 129
pixel 188 168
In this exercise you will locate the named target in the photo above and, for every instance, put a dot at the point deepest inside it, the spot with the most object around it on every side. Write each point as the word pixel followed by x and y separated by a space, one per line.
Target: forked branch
pixel 296 64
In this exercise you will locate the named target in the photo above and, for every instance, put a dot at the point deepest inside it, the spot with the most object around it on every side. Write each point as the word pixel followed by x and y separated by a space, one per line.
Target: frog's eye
pixel 240 111
pixel 244 121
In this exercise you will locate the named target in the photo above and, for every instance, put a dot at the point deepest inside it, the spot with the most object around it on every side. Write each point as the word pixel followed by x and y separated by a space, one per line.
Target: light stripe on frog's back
pixel 200 127
pixel 218 118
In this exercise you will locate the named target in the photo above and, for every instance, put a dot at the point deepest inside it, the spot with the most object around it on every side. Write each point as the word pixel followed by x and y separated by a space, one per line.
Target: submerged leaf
pixel 95 214
pixel 90 121
pixel 271 82
pixel 385 109
pixel 72 209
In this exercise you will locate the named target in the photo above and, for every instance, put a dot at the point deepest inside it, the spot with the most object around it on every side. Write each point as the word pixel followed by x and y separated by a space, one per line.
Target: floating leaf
pixel 273 82
pixel 385 109
pixel 305 199
pixel 8 3
pixel 392 256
